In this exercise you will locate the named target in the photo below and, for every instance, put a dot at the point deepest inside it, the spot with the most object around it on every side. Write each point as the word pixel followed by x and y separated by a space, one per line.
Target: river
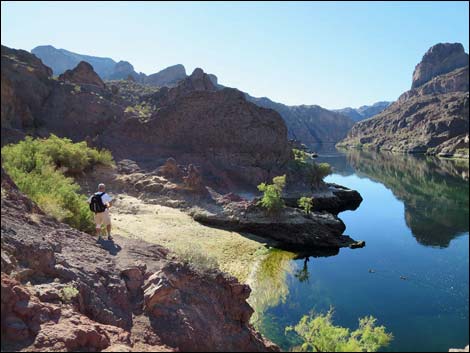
pixel 413 274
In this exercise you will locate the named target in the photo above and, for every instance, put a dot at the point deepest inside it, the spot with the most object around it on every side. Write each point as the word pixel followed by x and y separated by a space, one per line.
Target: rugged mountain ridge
pixel 311 124
pixel 432 117
pixel 193 121
pixel 61 60
pixel 363 112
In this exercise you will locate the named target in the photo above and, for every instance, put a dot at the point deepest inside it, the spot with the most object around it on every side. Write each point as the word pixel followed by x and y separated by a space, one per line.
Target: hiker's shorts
pixel 102 218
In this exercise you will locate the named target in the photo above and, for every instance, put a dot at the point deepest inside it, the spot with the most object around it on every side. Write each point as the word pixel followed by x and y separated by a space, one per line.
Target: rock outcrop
pixel 195 123
pixel 439 59
pixel 35 103
pixel 334 199
pixel 82 74
pixel 290 228
pixel 25 88
pixel 126 293
pixel 124 70
pixel 433 117
pixel 168 77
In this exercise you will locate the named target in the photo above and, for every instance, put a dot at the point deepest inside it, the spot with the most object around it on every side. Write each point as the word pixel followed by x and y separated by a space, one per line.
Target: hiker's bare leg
pixel 98 232
pixel 108 228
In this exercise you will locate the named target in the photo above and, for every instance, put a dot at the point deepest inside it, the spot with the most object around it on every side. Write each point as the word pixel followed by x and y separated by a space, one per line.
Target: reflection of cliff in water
pixel 435 192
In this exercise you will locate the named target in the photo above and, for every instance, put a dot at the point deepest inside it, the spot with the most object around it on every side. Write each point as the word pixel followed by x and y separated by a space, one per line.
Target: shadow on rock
pixel 109 245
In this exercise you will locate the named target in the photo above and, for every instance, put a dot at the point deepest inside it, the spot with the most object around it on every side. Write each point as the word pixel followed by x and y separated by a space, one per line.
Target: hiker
pixel 100 202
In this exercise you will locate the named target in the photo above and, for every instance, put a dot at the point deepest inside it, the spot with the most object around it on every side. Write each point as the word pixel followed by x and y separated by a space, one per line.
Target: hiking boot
pixel 110 237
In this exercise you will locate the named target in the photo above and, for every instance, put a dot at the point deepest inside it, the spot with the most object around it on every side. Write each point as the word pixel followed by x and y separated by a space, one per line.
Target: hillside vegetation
pixel 42 169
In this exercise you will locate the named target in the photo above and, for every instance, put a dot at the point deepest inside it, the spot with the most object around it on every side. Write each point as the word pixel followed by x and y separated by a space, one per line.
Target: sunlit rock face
pixel 432 117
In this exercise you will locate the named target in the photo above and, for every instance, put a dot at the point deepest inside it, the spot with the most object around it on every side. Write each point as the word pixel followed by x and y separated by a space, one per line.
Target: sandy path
pixel 172 228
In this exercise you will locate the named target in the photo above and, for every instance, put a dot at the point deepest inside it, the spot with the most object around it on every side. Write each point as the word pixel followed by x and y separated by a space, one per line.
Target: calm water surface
pixel 413 274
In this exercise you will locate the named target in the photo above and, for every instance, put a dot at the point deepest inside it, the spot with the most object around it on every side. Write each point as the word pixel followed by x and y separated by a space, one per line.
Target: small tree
pixel 306 203
pixel 318 334
pixel 318 172
pixel 271 199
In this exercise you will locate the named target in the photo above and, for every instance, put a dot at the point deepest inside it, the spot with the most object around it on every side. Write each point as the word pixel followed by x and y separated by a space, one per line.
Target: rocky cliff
pixel 432 117
pixel 77 105
pixel 63 291
pixel 215 128
pixel 439 59
pixel 166 77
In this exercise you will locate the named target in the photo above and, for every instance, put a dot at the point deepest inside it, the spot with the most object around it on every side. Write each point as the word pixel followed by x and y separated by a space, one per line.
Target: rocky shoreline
pixel 291 228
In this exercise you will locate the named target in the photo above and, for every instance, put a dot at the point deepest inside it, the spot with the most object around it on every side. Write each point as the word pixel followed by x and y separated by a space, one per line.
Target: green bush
pixel 271 199
pixel 322 170
pixel 67 294
pixel 306 166
pixel 37 166
pixel 300 156
pixel 306 203
pixel 318 334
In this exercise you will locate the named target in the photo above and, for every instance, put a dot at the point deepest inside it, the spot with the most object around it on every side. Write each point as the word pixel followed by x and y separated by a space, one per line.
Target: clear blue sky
pixel 334 54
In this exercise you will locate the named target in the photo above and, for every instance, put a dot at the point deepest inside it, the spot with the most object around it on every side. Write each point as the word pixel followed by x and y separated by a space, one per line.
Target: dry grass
pixel 172 228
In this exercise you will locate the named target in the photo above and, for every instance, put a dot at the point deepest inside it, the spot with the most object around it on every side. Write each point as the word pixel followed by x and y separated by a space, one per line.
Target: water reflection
pixel 434 191
pixel 269 280
pixel 412 289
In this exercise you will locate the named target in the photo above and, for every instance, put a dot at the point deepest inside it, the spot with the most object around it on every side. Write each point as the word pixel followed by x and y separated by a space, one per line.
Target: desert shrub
pixel 37 167
pixel 272 200
pixel 322 170
pixel 300 156
pixel 317 333
pixel 304 164
pixel 67 294
pixel 194 256
pixel 306 203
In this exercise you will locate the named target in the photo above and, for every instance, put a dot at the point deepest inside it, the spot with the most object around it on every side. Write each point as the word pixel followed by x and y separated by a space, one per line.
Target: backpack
pixel 96 204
